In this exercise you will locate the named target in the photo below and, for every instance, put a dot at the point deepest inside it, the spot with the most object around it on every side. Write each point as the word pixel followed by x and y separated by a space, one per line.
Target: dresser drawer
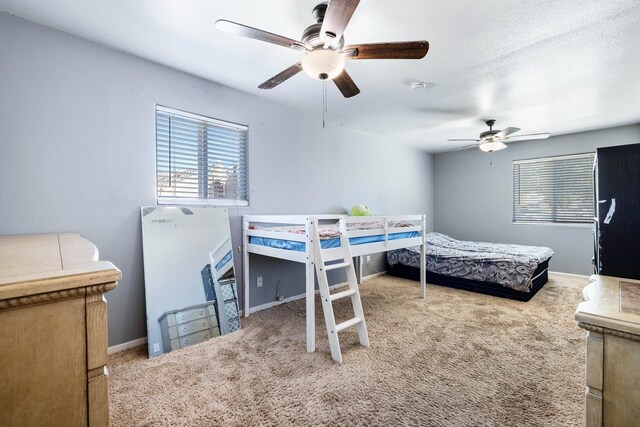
pixel 193 327
pixel 189 315
pixel 173 332
pixel 211 309
pixel 213 320
pixel 196 338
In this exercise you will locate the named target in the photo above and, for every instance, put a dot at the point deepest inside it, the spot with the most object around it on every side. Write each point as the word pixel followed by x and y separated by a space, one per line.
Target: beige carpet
pixel 454 359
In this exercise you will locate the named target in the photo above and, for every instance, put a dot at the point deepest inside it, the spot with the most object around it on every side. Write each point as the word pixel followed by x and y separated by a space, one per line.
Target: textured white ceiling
pixel 544 66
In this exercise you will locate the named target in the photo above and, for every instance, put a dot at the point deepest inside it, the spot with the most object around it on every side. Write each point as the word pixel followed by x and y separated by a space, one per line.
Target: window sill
pixel 554 224
pixel 201 202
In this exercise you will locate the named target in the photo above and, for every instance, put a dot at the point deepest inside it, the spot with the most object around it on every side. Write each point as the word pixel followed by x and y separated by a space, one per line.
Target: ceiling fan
pixel 324 47
pixel 495 140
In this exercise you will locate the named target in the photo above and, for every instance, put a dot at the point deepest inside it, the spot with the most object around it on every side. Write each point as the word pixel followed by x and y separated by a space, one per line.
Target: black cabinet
pixel 617 228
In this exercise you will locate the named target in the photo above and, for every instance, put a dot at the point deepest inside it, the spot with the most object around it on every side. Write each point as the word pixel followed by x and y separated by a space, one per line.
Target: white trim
pixel 374 275
pixel 141 341
pixel 203 202
pixel 202 118
pixel 569 274
pixel 552 158
pixel 300 296
pixel 557 224
pixel 289 299
pixel 126 345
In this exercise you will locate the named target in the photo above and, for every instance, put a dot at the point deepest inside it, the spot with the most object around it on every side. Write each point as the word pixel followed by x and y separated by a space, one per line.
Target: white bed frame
pixel 221 250
pixel 307 257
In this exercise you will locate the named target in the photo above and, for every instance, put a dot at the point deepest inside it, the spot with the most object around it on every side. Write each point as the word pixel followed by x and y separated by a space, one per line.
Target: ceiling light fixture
pixel 323 64
pixel 491 146
pixel 421 86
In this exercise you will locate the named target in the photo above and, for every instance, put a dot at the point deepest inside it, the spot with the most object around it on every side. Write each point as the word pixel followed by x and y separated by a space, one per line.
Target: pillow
pixel 360 210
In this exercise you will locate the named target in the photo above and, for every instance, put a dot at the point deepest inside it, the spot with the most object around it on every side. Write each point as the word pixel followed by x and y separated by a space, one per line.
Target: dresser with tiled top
pixel 610 313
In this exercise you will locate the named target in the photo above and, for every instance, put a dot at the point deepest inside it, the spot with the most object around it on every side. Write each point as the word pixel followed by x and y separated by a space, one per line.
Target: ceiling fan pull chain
pixel 324 101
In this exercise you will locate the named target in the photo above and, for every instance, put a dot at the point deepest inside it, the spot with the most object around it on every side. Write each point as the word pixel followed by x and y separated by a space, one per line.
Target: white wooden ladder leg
pixel 327 298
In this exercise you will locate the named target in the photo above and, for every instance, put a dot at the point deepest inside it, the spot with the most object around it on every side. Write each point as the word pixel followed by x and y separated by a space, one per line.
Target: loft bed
pixel 289 237
pixel 504 270
pixel 222 260
pixel 219 281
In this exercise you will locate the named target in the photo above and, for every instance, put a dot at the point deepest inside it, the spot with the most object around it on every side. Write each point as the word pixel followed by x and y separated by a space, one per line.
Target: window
pixel 554 189
pixel 199 159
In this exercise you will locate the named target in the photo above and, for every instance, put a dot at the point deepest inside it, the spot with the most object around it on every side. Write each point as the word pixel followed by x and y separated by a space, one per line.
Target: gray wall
pixel 473 198
pixel 77 153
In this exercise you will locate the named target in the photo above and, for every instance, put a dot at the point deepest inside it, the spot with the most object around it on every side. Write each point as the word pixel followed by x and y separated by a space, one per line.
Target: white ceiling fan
pixel 495 140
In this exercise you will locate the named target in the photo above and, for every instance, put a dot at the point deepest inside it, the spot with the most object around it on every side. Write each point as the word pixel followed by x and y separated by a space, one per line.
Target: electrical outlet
pixel 156 347
pixel 368 259
pixel 259 282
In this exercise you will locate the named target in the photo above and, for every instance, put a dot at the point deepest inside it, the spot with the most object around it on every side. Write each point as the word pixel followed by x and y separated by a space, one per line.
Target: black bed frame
pixel 540 277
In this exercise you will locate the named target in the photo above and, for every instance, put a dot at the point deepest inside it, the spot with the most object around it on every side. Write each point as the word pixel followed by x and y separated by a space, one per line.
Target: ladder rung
pixel 347 324
pixel 342 294
pixel 329 267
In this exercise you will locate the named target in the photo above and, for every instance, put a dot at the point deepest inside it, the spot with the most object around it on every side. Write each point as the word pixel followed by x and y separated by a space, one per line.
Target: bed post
pixel 245 265
pixel 310 284
pixel 423 250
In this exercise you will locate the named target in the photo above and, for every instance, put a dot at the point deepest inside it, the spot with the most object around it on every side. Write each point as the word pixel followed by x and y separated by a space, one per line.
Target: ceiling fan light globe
pixel 323 64
pixel 489 147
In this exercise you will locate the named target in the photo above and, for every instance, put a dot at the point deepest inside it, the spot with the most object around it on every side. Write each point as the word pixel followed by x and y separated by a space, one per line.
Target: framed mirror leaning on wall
pixel 190 283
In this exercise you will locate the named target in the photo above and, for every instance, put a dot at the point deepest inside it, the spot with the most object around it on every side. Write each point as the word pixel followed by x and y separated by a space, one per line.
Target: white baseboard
pixel 300 296
pixel 569 274
pixel 140 341
pixel 371 276
pixel 126 345
pixel 289 299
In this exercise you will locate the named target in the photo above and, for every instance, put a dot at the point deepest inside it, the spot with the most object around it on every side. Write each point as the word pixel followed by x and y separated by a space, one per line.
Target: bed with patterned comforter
pixel 506 265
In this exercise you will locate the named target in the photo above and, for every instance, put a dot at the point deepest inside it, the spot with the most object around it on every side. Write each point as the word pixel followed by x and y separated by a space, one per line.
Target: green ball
pixel 360 210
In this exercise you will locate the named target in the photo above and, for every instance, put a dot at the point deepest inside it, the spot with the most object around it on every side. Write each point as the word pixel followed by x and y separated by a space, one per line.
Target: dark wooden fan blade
pixel 394 50
pixel 506 132
pixel 254 33
pixel 346 85
pixel 282 76
pixel 336 18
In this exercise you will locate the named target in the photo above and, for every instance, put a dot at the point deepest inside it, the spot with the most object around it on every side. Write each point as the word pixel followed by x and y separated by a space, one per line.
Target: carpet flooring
pixel 455 359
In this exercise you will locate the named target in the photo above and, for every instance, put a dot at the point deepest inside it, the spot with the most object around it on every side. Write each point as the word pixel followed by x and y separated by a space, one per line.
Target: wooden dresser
pixel 611 315
pixel 53 331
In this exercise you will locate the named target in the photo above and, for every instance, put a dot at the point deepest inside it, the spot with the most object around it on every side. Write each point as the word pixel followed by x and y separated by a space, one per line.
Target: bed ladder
pixel 327 298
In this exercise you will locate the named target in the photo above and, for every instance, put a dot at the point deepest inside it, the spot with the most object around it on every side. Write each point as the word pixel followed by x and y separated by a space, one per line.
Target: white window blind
pixel 554 189
pixel 200 158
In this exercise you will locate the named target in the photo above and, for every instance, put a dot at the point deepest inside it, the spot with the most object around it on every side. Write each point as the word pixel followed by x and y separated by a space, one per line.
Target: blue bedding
pixel 328 243
pixel 223 261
